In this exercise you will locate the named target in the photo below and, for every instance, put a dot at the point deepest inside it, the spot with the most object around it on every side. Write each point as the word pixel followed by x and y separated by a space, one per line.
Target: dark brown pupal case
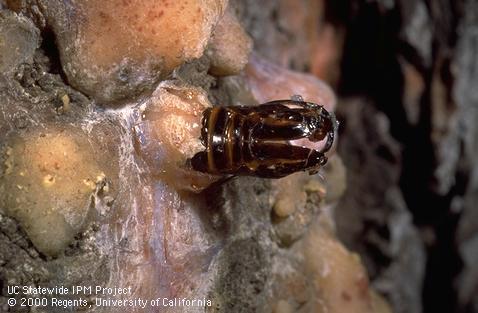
pixel 255 140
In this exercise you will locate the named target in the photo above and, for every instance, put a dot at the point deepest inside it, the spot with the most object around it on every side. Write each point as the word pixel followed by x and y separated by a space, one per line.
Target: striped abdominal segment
pixel 224 140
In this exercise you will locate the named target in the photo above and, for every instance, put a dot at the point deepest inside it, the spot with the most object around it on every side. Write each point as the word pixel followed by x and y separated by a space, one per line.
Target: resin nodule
pixel 167 134
pixel 48 181
pixel 113 50
pixel 229 47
